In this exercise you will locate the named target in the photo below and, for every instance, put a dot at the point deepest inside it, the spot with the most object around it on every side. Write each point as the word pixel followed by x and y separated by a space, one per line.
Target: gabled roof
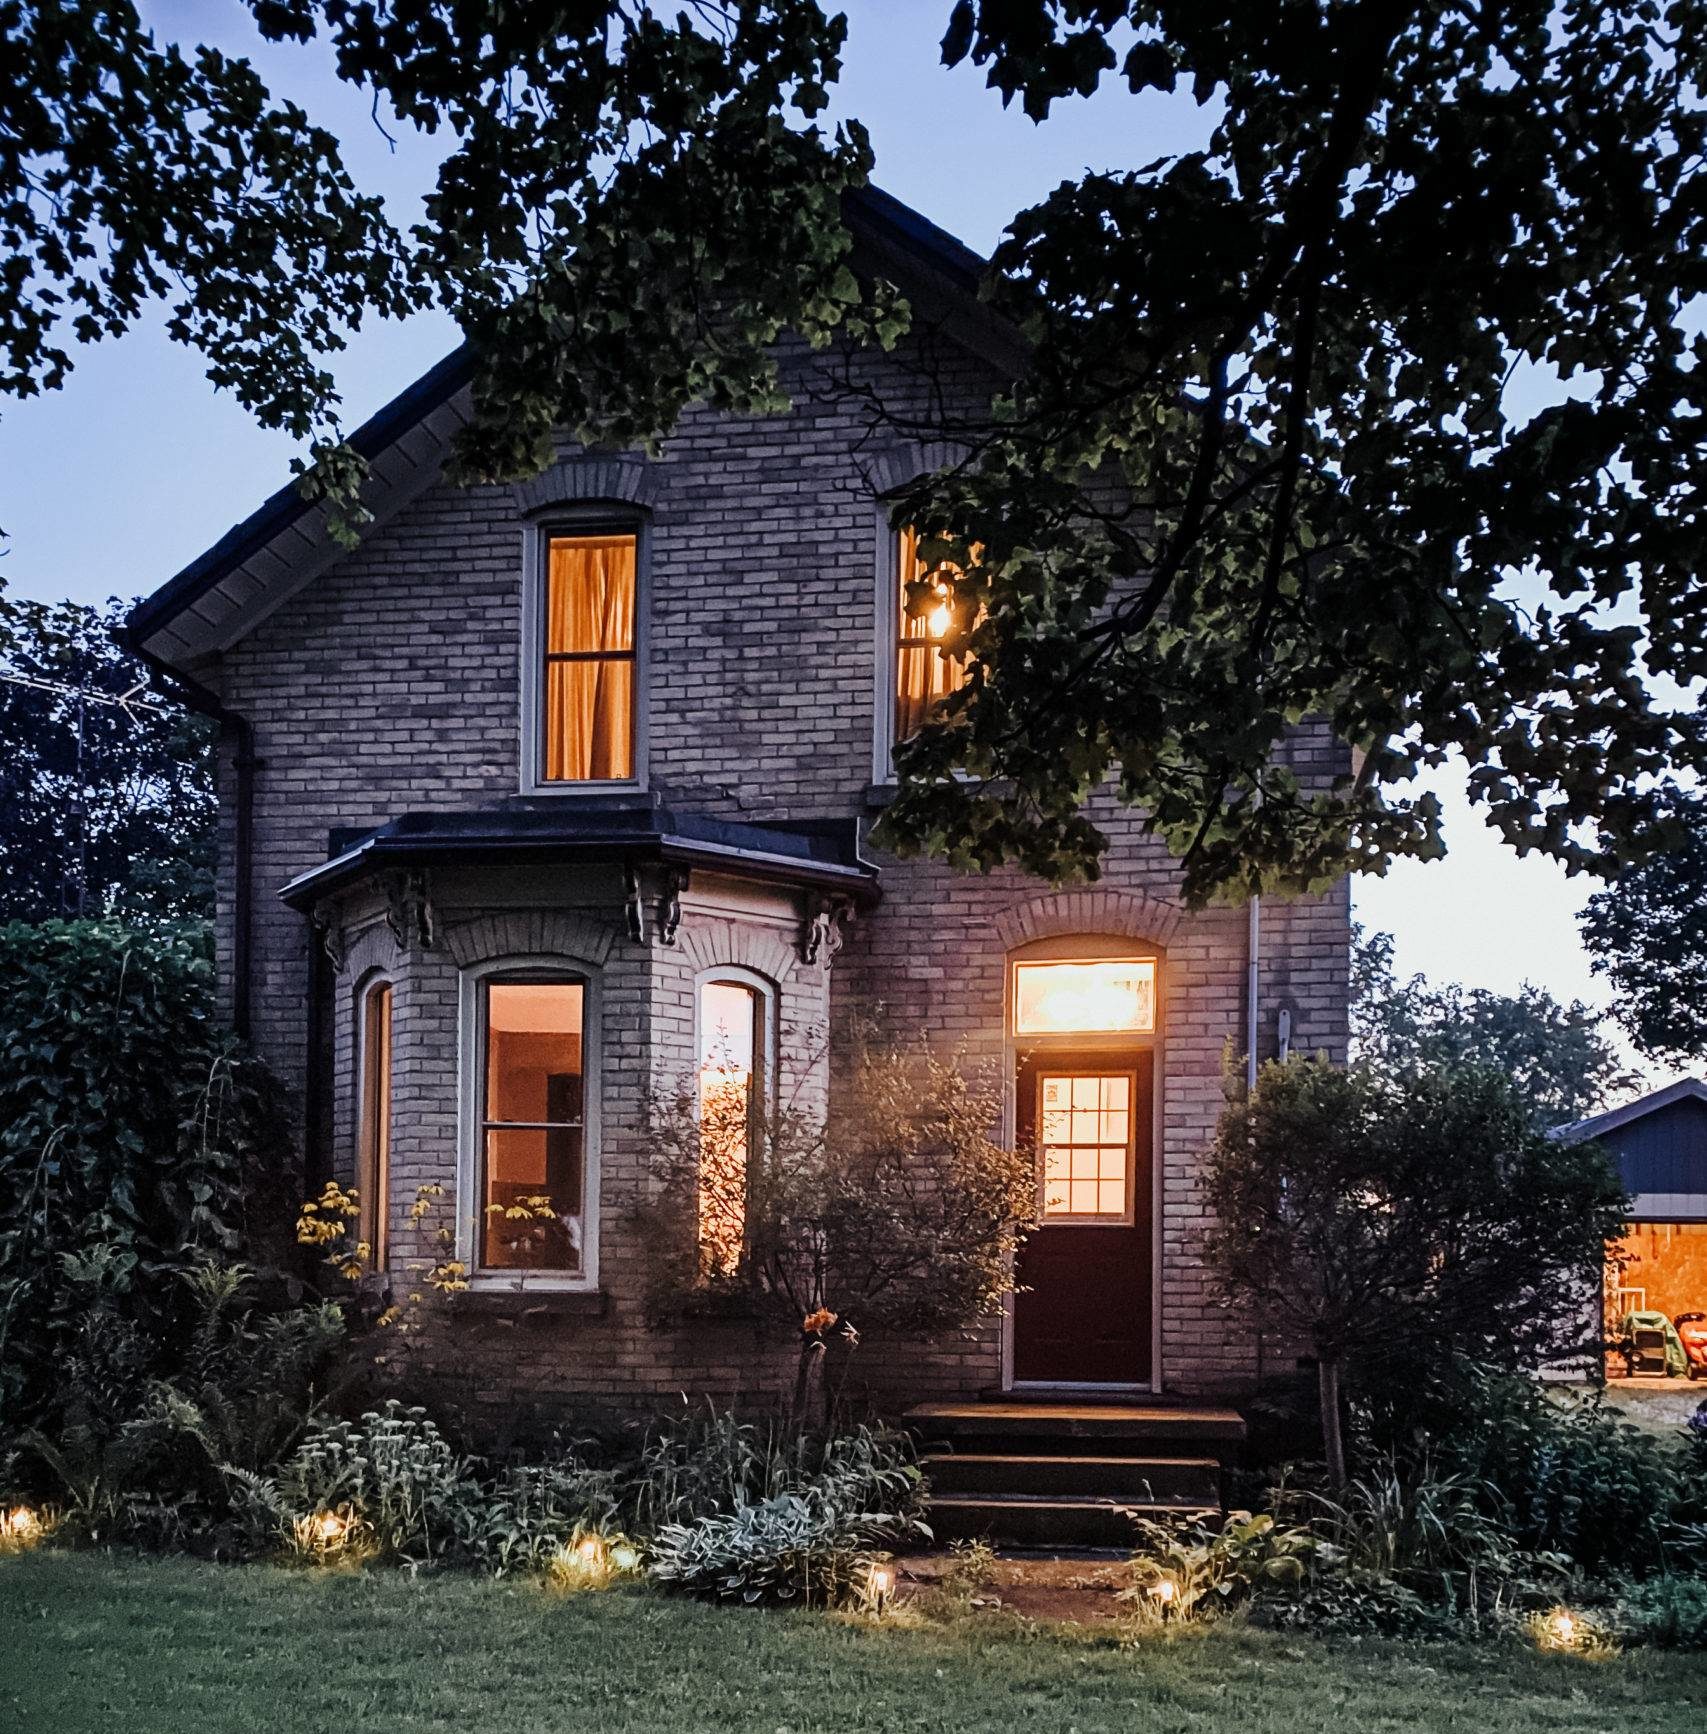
pixel 823 853
pixel 285 544
pixel 1684 1090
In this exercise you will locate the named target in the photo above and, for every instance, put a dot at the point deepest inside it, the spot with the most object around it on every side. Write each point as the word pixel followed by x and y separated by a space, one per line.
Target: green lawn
pixel 138 1647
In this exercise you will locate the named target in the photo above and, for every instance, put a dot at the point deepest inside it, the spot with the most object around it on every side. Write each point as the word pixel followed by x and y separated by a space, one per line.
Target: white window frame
pixel 364 988
pixel 470 1139
pixel 588 518
pixel 887 615
pixel 764 1035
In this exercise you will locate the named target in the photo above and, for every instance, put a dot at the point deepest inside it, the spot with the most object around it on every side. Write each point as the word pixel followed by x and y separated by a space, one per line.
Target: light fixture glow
pixel 878 1584
pixel 1116 996
pixel 1164 1590
pixel 1564 1627
pixel 329 1527
pixel 20 1524
pixel 590 1550
pixel 940 618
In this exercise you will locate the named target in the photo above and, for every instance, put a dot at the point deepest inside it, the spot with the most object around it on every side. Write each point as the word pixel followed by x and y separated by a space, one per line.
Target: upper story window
pixel 533 1123
pixel 588 718
pixel 373 1109
pixel 923 673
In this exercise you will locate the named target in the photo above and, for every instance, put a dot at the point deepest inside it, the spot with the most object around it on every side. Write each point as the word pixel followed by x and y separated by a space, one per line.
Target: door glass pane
pixel 1116 996
pixel 1085 1144
pixel 533 1126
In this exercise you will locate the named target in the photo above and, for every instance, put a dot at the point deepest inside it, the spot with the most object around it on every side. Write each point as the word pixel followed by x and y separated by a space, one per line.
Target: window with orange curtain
pixel 923 674
pixel 589 658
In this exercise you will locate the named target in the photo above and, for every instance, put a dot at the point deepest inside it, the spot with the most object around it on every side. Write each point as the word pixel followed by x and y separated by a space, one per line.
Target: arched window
pixel 531 1183
pixel 373 1126
pixel 732 1041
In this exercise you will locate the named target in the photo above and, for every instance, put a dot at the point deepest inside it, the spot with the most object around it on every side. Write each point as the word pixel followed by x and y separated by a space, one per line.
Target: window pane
pixel 923 675
pixel 589 618
pixel 1056 998
pixel 590 594
pixel 534 1133
pixel 1085 1150
pixel 728 1066
pixel 531 1211
pixel 373 1156
pixel 589 721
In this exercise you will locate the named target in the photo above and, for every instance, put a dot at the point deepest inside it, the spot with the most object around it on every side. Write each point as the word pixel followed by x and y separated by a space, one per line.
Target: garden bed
pixel 159 1646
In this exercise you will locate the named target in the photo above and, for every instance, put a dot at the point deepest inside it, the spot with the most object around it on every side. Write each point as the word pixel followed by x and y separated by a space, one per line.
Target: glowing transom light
pixel 1058 998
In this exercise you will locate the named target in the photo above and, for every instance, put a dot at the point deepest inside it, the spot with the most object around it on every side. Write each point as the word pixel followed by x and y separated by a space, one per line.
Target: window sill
pixel 515 1305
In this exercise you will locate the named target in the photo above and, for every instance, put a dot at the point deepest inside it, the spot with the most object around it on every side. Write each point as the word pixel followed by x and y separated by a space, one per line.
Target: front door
pixel 1082 1313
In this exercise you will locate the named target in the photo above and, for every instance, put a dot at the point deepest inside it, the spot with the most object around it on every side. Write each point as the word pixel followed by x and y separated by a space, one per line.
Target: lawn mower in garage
pixel 1692 1333
pixel 1650 1346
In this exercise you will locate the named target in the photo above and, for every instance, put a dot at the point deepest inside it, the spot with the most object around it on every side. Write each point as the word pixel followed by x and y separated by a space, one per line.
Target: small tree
pixel 895 1209
pixel 1413 1219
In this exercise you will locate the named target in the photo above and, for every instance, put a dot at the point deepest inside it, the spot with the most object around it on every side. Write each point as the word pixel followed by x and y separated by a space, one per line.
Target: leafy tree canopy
pixel 1554 1055
pixel 105 807
pixel 1261 464
pixel 1647 934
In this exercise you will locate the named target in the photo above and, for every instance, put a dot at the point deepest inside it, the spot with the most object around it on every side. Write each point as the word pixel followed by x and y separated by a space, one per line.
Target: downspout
pixel 1253 965
pixel 241 733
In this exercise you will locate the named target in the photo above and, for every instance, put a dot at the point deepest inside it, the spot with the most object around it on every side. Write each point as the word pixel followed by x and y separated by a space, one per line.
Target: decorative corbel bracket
pixel 326 919
pixel 674 883
pixel 825 927
pixel 409 912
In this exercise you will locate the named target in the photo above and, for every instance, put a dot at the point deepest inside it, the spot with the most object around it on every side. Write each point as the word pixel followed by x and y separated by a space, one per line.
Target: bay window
pixel 532 1130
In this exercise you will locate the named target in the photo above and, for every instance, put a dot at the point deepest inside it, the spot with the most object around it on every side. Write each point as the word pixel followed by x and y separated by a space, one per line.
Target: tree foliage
pixel 1273 454
pixel 1403 1222
pixel 1647 934
pixel 894 1209
pixel 1554 1055
pixel 104 808
pixel 126 1119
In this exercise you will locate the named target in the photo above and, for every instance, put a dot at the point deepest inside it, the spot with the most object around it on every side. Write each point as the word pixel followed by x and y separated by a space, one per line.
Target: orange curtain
pixel 589 645
pixel 923 675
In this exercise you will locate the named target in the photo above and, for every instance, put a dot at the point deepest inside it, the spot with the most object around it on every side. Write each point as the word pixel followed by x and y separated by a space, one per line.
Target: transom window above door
pixel 588 650
pixel 1103 996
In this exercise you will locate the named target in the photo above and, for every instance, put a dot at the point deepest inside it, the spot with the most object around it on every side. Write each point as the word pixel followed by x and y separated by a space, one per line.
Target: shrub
pixel 1668 1611
pixel 1189 1568
pixel 534 1512
pixel 391 1471
pixel 1567 1475
pixel 126 1115
pixel 777 1551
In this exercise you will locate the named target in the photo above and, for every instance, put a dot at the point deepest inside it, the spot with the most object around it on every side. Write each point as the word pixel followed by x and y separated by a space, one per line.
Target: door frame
pixel 1088 948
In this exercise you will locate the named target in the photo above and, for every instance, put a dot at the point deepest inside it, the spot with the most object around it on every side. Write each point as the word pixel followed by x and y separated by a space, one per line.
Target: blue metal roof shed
pixel 1660 1145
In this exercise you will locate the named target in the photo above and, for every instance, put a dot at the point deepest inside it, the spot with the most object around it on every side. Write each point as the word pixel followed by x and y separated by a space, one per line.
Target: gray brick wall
pixel 391 683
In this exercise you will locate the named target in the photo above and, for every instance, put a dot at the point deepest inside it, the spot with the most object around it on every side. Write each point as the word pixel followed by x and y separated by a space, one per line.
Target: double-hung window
pixel 731 1050
pixel 586 674
pixel 532 1124
pixel 373 1110
pixel 924 673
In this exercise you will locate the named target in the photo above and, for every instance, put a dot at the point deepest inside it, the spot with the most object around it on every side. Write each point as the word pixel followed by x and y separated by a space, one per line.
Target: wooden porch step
pixel 1127 1428
pixel 1020 1520
pixel 973 1474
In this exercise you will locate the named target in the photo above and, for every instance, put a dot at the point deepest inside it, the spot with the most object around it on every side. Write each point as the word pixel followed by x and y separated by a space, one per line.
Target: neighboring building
pixel 1660 1146
pixel 549 796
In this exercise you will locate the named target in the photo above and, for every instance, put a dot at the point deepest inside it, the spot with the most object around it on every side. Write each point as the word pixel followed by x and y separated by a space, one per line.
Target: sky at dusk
pixel 109 486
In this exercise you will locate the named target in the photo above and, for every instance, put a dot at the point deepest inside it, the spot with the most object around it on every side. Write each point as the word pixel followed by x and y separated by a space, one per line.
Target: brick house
pixel 548 795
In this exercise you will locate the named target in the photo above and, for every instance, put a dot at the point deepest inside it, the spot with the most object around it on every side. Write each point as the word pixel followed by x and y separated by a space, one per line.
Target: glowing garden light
pixel 1564 1627
pixel 329 1528
pixel 1163 1591
pixel 878 1587
pixel 21 1526
pixel 591 1552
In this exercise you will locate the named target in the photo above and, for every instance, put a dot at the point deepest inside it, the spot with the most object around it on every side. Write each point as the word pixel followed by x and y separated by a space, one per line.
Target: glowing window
pixel 1085 1140
pixel 1115 997
pixel 533 1126
pixel 923 674
pixel 373 1150
pixel 589 659
pixel 729 1023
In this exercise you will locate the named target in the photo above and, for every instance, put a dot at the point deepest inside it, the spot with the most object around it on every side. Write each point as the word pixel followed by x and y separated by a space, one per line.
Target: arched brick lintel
pixel 1096 909
pixel 712 944
pixel 587 478
pixel 531 933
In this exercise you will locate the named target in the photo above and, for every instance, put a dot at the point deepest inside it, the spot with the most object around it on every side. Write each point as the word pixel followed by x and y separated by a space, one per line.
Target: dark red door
pixel 1082 1314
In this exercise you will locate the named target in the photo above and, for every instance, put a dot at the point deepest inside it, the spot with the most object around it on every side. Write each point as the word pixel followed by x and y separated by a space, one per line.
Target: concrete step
pixel 1015 1520
pixel 972 1473
pixel 1106 1429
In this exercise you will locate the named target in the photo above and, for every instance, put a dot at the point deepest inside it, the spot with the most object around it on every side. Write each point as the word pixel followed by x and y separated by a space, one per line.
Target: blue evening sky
pixel 112 484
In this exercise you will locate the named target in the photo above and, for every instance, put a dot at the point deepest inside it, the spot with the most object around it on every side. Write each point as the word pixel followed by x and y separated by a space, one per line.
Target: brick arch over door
pixel 1097 909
